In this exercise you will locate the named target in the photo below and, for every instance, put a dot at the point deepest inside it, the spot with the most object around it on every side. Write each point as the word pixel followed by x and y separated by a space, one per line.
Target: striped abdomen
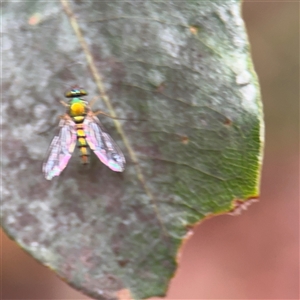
pixel 82 144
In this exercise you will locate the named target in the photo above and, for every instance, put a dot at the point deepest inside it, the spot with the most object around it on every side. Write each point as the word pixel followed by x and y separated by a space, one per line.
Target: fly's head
pixel 76 92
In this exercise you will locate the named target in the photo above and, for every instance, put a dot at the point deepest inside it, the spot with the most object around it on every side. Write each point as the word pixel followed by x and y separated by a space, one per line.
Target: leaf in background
pixel 181 74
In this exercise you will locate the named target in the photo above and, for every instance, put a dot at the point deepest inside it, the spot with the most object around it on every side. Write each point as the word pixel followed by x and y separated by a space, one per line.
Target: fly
pixel 80 126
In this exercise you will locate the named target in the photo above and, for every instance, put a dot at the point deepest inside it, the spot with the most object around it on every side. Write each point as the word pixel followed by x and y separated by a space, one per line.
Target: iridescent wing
pixel 103 145
pixel 61 149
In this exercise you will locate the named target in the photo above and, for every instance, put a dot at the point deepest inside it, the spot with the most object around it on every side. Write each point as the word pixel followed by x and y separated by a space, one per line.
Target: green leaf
pixel 180 73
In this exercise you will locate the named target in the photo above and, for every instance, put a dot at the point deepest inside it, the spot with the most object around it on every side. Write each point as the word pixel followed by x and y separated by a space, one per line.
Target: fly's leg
pixel 64 103
pixel 52 126
pixel 100 112
pixel 94 99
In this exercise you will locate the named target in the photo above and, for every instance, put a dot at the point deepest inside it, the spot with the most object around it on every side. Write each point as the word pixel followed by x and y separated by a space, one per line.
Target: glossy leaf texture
pixel 179 75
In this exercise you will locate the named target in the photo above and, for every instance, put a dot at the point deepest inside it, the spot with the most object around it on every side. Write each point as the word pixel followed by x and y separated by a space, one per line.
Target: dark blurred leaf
pixel 182 70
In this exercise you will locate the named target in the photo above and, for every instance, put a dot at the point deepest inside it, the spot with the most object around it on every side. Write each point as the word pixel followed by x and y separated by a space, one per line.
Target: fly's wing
pixel 103 145
pixel 60 150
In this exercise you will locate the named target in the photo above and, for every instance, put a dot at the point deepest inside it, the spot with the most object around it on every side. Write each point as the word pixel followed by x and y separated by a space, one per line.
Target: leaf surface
pixel 180 73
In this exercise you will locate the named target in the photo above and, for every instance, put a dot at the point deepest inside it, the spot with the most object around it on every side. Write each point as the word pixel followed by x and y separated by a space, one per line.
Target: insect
pixel 79 125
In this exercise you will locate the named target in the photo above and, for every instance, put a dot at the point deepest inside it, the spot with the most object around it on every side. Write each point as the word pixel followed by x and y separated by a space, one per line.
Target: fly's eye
pixel 75 93
pixel 69 94
pixel 72 93
pixel 83 92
